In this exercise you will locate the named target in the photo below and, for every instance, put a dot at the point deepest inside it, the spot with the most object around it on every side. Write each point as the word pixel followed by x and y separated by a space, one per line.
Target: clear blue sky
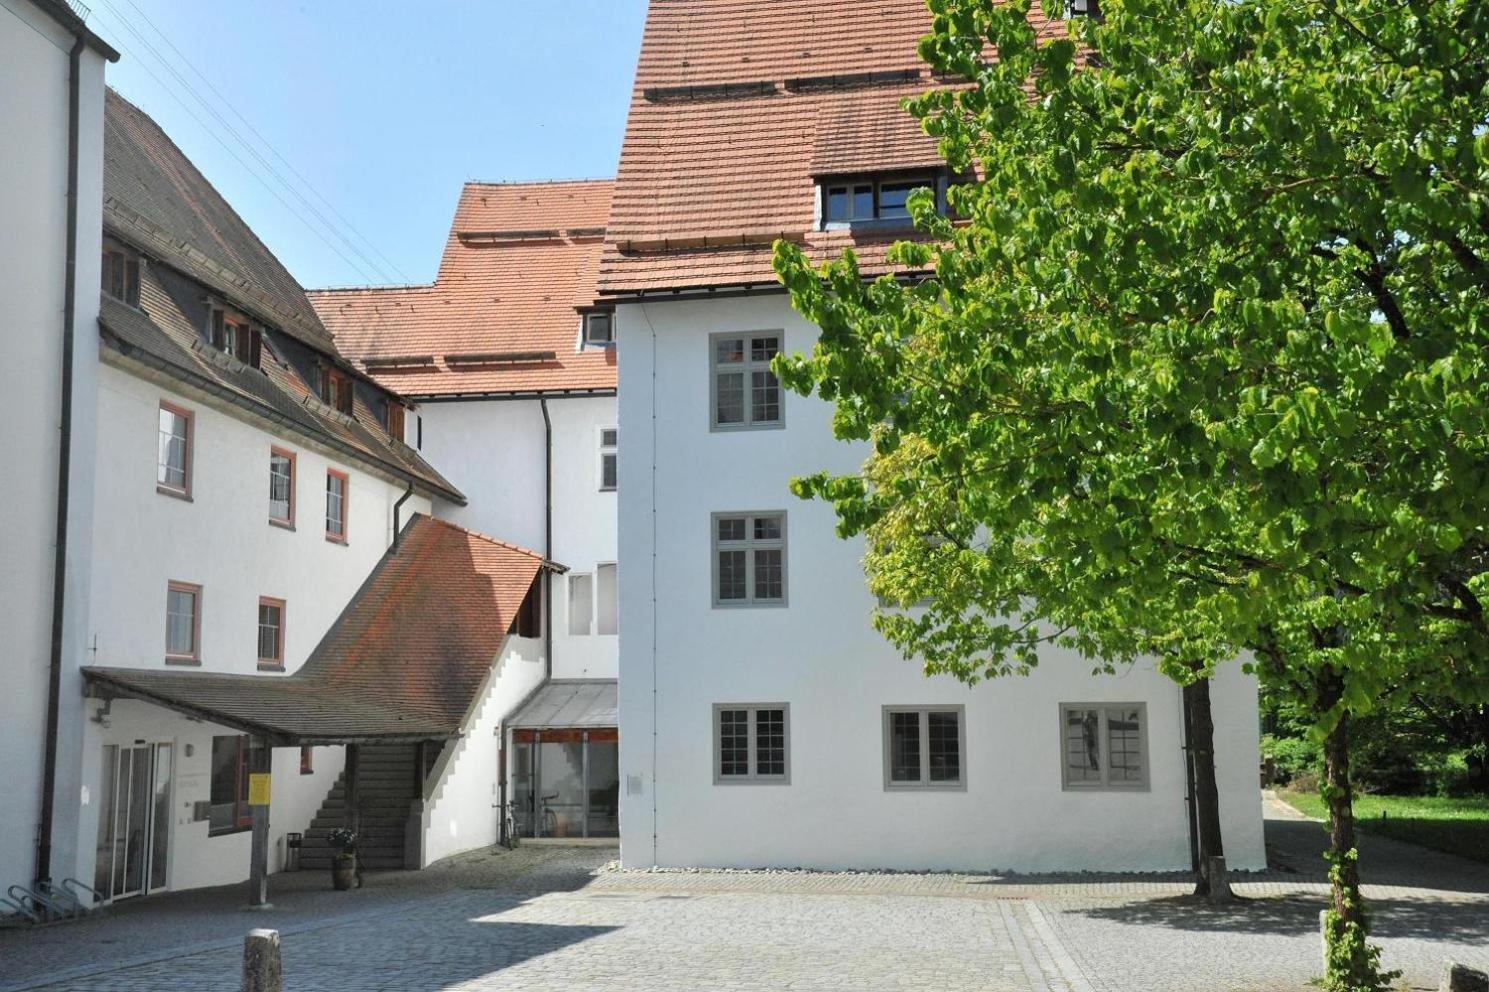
pixel 385 108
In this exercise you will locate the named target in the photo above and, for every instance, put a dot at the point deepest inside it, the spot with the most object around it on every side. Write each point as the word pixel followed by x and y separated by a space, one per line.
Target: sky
pixel 383 109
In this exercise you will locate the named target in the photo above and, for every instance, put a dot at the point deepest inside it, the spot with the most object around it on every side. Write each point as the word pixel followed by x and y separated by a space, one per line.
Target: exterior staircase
pixel 389 779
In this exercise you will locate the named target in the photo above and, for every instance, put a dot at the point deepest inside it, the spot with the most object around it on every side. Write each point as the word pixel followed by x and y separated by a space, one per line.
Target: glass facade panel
pixel 604 789
pixel 160 814
pixel 560 789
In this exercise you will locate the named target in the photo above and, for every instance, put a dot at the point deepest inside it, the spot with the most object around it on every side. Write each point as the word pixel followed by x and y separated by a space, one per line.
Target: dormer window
pixel 395 420
pixel 1083 8
pixel 336 389
pixel 866 199
pixel 121 275
pixel 599 328
pixel 233 334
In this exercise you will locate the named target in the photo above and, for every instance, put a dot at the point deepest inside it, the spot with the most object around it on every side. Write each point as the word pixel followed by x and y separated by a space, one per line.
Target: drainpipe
pixel 64 472
pixel 397 526
pixel 547 540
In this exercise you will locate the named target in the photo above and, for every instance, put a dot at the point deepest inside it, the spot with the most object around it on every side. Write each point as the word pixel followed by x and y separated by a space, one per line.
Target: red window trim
pixel 190 416
pixel 346 502
pixel 288 521
pixel 307 760
pixel 195 658
pixel 272 664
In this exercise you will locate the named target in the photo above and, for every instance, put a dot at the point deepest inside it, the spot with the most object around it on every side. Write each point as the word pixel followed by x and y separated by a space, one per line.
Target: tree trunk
pixel 1200 732
pixel 1352 963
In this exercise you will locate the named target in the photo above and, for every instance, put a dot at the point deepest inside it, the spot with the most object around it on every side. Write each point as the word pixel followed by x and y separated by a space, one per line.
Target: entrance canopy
pixel 571 704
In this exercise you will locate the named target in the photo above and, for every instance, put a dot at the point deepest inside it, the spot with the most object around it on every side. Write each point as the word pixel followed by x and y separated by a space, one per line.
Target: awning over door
pixel 570 703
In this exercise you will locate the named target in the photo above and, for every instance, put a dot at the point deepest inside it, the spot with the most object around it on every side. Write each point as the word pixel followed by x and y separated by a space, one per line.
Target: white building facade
pixel 51 85
pixel 763 722
pixel 821 700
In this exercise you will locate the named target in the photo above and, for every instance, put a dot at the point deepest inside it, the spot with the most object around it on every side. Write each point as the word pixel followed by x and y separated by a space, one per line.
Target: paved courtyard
pixel 551 918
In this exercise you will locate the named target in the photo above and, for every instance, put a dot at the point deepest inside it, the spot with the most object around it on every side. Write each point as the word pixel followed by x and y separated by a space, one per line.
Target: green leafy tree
pixel 1201 359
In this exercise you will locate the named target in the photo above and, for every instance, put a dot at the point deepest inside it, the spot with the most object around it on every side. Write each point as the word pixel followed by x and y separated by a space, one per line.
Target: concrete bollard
pixel 261 968
pixel 1461 978
pixel 1220 891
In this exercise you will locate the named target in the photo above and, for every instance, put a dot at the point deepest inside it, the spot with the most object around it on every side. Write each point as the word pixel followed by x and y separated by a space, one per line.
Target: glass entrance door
pixel 566 783
pixel 134 820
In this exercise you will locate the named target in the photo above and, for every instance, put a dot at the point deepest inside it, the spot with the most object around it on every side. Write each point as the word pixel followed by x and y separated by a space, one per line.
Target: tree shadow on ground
pixel 1297 915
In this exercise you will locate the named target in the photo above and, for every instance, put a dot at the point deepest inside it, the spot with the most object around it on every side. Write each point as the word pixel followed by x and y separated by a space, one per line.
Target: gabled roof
pixel 502 316
pixel 739 107
pixel 156 200
pixel 405 660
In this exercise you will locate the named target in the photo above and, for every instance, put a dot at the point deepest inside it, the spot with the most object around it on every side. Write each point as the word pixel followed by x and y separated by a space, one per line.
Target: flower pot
pixel 343 871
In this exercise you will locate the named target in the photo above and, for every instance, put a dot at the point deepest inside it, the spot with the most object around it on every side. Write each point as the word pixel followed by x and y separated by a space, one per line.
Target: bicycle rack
pixel 72 906
pixel 72 885
pixel 47 903
pixel 8 903
pixel 49 909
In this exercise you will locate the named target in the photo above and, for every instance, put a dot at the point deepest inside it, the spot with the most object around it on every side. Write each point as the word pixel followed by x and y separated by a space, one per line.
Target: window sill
pixel 743 780
pixel 336 540
pixel 874 224
pixel 926 787
pixel 1106 788
pixel 180 494
pixel 282 524
pixel 270 666
pixel 748 605
pixel 763 425
pixel 189 662
pixel 607 489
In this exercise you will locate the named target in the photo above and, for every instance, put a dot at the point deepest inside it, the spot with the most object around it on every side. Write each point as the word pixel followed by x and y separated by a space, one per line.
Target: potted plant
pixel 343 842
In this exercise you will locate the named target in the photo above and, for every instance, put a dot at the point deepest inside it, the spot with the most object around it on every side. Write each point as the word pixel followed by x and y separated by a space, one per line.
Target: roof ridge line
pixel 485 537
pixel 372 287
pixel 540 182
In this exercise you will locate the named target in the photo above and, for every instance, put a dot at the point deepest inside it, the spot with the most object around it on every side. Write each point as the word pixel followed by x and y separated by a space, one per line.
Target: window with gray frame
pixel 749 559
pixel 924 747
pixel 609 454
pixel 745 391
pixel 751 742
pixel 1104 745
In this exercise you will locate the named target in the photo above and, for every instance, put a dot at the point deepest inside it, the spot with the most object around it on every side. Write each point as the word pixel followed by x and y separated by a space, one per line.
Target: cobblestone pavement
pixel 546 918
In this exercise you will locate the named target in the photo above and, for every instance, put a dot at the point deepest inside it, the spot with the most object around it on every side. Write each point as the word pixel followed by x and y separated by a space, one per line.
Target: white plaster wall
pixel 461 811
pixel 820 655
pixel 492 450
pixel 195 858
pixel 33 205
pixel 221 539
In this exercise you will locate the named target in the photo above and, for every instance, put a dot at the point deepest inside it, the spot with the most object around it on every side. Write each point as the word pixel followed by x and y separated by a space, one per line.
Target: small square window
pixel 609 459
pixel 173 464
pixel 183 623
pixel 337 486
pixel 749 559
pixel 271 633
pixel 599 328
pixel 1104 745
pixel 752 743
pixel 745 391
pixel 281 487
pixel 923 747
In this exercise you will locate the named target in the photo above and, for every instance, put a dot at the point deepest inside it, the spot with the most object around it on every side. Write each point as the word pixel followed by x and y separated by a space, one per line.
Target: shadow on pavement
pixel 1297 915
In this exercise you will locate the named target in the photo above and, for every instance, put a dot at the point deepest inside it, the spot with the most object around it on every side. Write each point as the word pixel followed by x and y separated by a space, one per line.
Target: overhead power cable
pixel 367 269
pixel 265 141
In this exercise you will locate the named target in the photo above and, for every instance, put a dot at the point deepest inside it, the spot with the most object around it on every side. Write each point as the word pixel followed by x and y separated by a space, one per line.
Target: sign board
pixel 258 789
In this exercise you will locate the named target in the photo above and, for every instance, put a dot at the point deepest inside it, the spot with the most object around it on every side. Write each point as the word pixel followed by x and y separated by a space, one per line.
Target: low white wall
pixel 461 812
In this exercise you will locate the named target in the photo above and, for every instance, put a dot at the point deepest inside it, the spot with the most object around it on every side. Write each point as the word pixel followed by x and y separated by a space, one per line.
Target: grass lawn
pixel 1458 826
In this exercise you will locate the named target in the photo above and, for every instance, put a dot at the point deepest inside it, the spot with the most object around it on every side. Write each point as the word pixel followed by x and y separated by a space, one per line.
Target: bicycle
pixel 508 825
pixel 550 818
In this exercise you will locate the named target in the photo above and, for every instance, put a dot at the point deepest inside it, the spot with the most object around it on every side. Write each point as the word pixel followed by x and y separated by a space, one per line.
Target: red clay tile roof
pixel 739 105
pixel 405 659
pixel 520 257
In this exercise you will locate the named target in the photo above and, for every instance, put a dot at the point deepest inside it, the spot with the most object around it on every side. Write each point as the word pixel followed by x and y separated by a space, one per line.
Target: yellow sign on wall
pixel 258 789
